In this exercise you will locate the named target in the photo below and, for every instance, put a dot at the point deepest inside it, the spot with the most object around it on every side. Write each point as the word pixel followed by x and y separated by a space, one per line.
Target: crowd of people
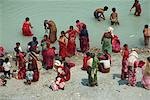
pixel 29 64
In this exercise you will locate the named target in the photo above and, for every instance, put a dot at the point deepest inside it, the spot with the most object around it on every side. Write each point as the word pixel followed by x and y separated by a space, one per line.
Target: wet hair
pixel 137 1
pixel 114 9
pixel 105 8
pixel 18 43
pixel 148 59
pixel 6 60
pixel 146 26
pixel 54 48
pixel 62 32
pixel 125 45
pixel 88 54
pixel 92 55
pixel 27 19
pixel 46 36
pixel 34 38
pixel 71 27
pixel 106 50
pixel 77 21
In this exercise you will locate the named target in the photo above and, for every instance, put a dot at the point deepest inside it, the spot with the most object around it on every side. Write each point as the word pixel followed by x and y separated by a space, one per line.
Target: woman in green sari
pixel 106 42
pixel 92 70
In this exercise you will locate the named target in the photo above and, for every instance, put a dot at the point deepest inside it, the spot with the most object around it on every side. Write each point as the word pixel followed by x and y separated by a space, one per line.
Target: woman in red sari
pixel 85 59
pixel 44 48
pixel 26 28
pixel 71 46
pixel 22 65
pixel 50 55
pixel 62 46
pixel 84 39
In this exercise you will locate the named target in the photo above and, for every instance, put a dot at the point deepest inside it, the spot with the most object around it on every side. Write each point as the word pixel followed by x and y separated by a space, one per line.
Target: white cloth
pixel 29 75
pixel 7 66
pixel 20 49
pixel 57 63
pixel 106 63
pixel 132 58
pixel 89 62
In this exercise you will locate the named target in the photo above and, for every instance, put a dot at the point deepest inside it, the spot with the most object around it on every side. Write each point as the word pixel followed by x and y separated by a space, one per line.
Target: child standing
pixel 16 49
pixel 146 32
pixel 29 75
pixel 125 55
pixel 114 17
pixel 7 67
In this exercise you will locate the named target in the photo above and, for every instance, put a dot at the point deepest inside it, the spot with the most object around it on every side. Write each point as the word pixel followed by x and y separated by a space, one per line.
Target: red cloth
pixel 116 44
pixel 124 70
pixel 50 54
pixel 80 25
pixel 70 65
pixel 1 51
pixel 26 31
pixel 1 69
pixel 85 66
pixel 34 68
pixel 62 50
pixel 125 54
pixel 84 43
pixel 71 47
pixel 22 73
pixel 44 49
pixel 35 75
pixel 138 8
pixel 68 74
pixel 21 67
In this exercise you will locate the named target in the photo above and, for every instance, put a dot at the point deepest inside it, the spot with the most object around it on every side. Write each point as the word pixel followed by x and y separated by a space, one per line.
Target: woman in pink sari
pixel 115 44
pixel 26 28
pixel 146 75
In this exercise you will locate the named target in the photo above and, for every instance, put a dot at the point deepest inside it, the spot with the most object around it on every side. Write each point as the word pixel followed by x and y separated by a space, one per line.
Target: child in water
pixel 114 17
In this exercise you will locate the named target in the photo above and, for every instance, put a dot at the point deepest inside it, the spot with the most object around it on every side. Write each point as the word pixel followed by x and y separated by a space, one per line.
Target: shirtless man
pixel 99 13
